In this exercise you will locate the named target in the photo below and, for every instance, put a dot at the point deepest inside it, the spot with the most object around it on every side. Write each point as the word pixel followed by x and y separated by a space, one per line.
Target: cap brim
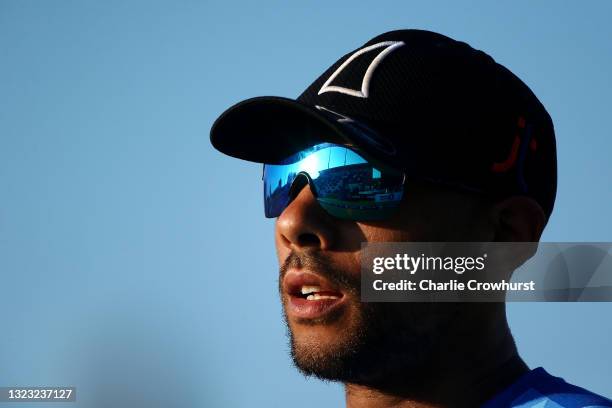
pixel 268 129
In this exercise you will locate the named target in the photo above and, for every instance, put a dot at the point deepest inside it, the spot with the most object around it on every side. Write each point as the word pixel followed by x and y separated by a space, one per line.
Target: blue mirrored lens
pixel 345 184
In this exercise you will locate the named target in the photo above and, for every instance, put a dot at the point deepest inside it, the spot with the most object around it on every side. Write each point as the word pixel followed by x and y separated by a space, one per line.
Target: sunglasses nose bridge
pixel 301 180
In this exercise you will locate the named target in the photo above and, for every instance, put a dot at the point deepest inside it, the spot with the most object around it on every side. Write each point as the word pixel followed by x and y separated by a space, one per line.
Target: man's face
pixel 333 334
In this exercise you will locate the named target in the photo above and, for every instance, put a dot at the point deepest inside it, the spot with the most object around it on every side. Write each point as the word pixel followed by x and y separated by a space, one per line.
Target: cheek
pixel 387 233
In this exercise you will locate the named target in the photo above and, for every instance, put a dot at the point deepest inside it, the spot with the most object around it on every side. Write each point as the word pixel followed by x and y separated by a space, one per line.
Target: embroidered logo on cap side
pixel 361 131
pixel 389 46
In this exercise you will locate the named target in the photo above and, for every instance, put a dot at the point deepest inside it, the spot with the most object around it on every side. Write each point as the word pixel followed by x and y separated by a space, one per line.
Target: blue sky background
pixel 136 262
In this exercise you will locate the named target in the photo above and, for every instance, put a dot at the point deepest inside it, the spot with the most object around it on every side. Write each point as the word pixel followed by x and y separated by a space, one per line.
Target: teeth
pixel 320 297
pixel 310 289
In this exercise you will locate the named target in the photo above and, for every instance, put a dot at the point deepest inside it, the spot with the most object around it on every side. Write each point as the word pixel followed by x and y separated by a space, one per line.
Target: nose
pixel 304 224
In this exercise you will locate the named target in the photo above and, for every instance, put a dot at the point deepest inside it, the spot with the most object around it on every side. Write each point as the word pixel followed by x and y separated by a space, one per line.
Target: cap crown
pixel 448 112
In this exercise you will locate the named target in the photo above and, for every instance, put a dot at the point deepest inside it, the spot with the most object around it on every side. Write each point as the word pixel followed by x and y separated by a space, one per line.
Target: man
pixel 412 137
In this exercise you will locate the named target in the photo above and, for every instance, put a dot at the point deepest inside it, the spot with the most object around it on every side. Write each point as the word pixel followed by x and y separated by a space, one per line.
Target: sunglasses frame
pixel 346 213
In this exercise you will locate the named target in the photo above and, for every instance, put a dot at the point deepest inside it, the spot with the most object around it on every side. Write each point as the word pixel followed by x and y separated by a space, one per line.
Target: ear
pixel 518 219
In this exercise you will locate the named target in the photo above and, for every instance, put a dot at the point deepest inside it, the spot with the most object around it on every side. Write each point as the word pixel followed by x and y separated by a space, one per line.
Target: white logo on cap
pixel 365 83
pixel 362 131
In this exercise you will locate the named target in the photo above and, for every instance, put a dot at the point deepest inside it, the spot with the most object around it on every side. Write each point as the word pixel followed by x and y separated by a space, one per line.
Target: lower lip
pixel 312 309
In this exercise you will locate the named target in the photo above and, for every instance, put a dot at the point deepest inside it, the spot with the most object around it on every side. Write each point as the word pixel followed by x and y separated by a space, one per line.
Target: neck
pixel 472 365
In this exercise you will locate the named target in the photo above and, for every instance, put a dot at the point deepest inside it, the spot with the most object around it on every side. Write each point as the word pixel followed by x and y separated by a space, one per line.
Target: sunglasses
pixel 344 183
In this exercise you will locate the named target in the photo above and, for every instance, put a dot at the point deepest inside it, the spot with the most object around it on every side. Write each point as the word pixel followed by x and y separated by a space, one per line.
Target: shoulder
pixel 538 389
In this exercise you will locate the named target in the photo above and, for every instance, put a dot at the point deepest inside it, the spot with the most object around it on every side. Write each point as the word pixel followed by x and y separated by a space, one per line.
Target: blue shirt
pixel 538 389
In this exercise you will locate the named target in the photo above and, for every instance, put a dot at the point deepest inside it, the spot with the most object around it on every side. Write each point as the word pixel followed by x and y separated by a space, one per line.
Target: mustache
pixel 322 265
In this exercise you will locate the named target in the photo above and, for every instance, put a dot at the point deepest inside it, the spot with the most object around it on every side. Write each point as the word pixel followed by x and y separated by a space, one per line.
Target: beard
pixel 380 341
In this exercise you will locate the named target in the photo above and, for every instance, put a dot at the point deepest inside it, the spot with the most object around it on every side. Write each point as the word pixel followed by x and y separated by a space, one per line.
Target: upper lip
pixel 294 280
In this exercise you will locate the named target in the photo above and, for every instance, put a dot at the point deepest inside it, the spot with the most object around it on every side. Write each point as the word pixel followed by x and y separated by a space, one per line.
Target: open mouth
pixel 311 292
pixel 310 296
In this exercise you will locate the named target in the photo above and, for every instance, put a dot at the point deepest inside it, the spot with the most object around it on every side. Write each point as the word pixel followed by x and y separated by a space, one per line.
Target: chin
pixel 359 346
pixel 322 357
pixel 329 349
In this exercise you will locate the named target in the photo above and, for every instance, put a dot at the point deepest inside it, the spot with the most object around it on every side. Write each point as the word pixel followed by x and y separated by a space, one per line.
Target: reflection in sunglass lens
pixel 345 184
